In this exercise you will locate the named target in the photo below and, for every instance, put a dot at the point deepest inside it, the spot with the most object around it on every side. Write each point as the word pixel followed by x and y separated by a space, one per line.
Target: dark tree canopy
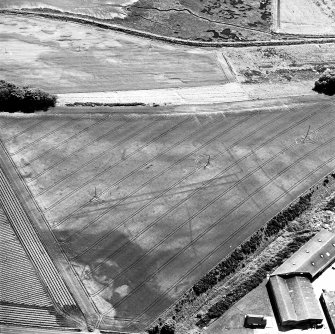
pixel 24 99
pixel 326 83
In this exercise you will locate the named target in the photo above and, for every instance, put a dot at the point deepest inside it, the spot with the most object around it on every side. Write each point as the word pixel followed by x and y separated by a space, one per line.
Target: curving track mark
pixel 218 175
pixel 162 172
pixel 210 227
pixel 94 159
pixel 194 215
pixel 234 234
pixel 127 156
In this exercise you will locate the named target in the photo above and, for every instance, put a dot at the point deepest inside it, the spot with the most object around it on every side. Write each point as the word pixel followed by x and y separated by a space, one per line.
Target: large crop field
pixel 72 58
pixel 143 207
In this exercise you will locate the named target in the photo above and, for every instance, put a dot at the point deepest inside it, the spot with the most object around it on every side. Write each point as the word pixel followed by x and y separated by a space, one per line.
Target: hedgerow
pixel 272 228
pixel 24 99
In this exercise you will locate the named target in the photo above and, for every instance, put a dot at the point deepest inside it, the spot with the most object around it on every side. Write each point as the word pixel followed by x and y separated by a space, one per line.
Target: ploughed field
pixel 143 207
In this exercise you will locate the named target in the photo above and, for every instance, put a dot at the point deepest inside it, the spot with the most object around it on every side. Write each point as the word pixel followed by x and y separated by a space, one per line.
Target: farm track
pixel 303 39
pixel 33 245
pixel 197 213
pixel 162 172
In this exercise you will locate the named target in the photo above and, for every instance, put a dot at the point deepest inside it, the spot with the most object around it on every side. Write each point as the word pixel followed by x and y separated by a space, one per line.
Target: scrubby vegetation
pixel 24 99
pixel 326 83
pixel 273 227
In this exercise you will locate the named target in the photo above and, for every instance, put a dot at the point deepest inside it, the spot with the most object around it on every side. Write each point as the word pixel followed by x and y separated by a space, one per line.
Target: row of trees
pixel 24 99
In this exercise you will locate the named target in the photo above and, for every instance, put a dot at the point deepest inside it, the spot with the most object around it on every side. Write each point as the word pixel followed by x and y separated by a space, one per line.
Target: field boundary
pixel 304 39
pixel 54 260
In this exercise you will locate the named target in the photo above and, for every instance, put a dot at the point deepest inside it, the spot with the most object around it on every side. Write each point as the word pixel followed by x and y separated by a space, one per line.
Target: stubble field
pixel 144 207
pixel 72 58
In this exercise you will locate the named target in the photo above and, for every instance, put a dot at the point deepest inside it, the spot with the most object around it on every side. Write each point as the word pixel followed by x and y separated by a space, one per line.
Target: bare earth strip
pixel 178 96
pixel 144 206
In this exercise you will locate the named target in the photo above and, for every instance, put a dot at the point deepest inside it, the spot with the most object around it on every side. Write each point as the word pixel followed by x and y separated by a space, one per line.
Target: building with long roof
pixel 290 284
pixel 312 258
pixel 295 300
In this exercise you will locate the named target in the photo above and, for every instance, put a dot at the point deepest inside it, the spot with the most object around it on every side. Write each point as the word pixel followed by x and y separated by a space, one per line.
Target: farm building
pixel 312 258
pixel 254 321
pixel 328 304
pixel 295 300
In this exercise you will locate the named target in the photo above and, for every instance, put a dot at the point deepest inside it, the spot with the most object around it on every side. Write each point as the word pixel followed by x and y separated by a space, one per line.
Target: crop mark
pixel 120 126
pixel 95 158
pixel 138 168
pixel 204 184
pixel 162 172
pixel 195 214
pixel 219 221
pixel 111 167
pixel 218 175
pixel 229 239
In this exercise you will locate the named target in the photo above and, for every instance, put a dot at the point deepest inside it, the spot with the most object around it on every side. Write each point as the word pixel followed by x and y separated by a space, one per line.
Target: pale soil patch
pixel 177 96
pixel 64 57
pixel 311 17
pixel 102 9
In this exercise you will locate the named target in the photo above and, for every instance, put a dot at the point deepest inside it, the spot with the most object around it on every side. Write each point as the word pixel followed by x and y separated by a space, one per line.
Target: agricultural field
pixel 306 17
pixel 75 58
pixel 23 298
pixel 208 20
pixel 143 207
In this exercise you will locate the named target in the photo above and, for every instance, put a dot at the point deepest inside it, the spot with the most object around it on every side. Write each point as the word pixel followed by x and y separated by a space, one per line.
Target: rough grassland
pixel 282 64
pixel 144 207
pixel 209 20
pixel 66 58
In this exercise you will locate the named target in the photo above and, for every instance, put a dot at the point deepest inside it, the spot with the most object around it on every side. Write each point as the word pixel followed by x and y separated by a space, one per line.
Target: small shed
pixel 254 321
